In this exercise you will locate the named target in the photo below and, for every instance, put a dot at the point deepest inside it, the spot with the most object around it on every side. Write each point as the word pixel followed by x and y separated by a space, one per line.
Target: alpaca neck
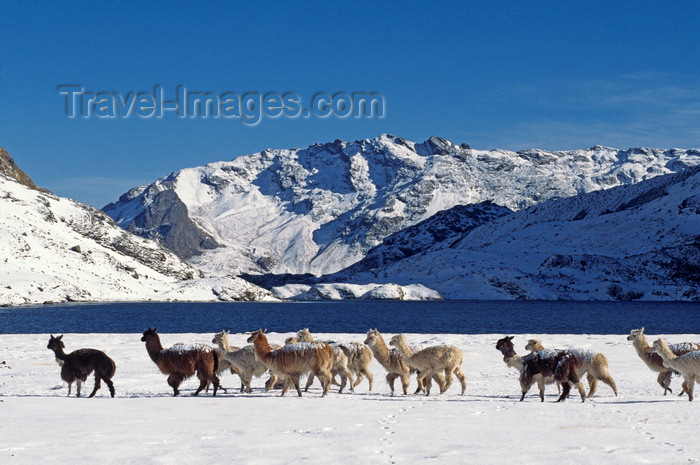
pixel 641 345
pixel 511 358
pixel 380 350
pixel 60 354
pixel 665 353
pixel 223 342
pixel 262 348
pixel 402 345
pixel 154 347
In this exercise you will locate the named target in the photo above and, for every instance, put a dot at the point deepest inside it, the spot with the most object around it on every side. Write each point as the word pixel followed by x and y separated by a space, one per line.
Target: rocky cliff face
pixel 9 168
pixel 321 209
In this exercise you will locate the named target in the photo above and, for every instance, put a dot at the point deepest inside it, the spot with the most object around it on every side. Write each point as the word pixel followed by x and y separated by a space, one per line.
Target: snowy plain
pixel 144 424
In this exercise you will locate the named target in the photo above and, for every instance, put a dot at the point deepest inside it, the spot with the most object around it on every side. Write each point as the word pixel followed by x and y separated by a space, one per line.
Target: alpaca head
pixel 55 343
pixel 219 337
pixel 396 340
pixel 304 335
pixel 659 345
pixel 372 334
pixel 255 335
pixel 533 345
pixel 636 334
pixel 149 334
pixel 505 345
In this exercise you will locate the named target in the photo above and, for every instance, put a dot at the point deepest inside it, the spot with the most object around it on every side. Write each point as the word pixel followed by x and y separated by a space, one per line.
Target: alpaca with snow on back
pixel 183 361
pixel 594 364
pixel 78 365
pixel 557 363
pixel 292 361
pixel 687 364
pixel 513 360
pixel 654 360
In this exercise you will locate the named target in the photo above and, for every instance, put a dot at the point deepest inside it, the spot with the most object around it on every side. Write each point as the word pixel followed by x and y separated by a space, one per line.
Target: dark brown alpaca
pixel 78 365
pixel 183 361
pixel 559 364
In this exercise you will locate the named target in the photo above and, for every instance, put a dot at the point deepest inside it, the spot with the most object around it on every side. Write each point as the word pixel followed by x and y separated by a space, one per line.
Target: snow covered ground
pixel 145 425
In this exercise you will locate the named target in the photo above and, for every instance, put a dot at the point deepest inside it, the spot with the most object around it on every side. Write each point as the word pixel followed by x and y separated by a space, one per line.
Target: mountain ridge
pixel 320 209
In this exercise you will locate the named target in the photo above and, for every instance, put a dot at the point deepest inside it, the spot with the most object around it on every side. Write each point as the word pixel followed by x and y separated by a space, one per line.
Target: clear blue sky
pixel 515 75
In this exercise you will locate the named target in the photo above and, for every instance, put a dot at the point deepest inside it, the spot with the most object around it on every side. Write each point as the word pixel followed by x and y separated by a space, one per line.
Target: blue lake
pixel 457 317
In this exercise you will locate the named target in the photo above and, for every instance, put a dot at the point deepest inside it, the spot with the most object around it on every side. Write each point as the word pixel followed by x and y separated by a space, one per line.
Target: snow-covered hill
pixel 320 209
pixel 54 249
pixel 637 241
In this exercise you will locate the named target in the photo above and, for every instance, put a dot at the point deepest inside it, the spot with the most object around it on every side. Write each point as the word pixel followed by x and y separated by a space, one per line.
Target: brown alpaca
pixel 78 365
pixel 183 361
pixel 559 364
pixel 294 360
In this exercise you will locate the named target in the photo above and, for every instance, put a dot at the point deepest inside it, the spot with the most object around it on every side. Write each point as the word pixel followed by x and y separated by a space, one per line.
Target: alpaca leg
pixel 110 385
pixel 421 385
pixel 202 383
pixel 607 379
pixel 684 390
pixel 215 381
pixel 540 387
pixel 358 380
pixel 390 378
pixel 592 384
pixel 70 385
pixel 440 379
pixel 462 379
pixel 174 382
pixel 324 377
pixel 246 380
pixel 525 384
pixel 78 385
pixel 98 384
pixel 405 381
pixel 295 381
pixel 581 390
pixel 664 379
pixel 426 381
pixel 448 380
pixel 690 385
pixel 286 386
pixel 309 382
pixel 370 378
pixel 565 392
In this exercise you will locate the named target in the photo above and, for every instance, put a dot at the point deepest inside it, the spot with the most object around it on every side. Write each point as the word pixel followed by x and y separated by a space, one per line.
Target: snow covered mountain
pixel 320 209
pixel 637 241
pixel 54 249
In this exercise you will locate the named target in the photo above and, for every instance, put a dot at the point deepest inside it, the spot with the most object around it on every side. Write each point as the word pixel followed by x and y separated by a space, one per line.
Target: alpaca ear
pixel 509 338
pixel 60 337
pixel 641 330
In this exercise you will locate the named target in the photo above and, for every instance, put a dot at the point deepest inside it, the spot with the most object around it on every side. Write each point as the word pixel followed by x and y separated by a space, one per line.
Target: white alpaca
pixel 244 361
pixel 688 364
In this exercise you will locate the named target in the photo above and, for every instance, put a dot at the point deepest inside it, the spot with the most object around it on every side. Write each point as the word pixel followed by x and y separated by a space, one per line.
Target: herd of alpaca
pixel 303 356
